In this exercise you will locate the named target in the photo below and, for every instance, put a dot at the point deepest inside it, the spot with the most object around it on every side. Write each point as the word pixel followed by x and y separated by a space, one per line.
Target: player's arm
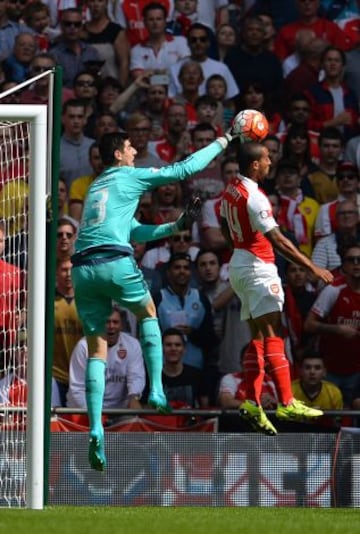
pixel 197 161
pixel 286 248
pixel 141 233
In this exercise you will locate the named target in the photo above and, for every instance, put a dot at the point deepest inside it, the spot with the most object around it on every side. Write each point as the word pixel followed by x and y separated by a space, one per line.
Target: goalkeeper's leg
pixel 95 388
pixel 150 339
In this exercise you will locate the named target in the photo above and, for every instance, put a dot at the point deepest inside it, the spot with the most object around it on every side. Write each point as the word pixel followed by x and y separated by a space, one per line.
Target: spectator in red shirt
pixel 307 72
pixel 333 103
pixel 335 318
pixel 176 143
pixel 308 18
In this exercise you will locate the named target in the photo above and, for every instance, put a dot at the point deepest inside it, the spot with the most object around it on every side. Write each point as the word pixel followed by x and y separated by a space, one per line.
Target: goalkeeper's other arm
pixel 152 232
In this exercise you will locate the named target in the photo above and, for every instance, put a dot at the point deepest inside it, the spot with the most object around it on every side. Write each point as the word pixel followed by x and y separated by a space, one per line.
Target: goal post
pixel 36 117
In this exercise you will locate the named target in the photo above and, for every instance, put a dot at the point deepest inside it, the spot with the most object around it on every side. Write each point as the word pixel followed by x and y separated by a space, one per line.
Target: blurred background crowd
pixel 173 74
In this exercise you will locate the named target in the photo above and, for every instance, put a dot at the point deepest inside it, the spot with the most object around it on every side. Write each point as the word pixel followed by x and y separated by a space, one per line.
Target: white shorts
pixel 258 287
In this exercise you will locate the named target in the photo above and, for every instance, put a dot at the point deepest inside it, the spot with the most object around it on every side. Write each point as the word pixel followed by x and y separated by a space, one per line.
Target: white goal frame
pixel 36 115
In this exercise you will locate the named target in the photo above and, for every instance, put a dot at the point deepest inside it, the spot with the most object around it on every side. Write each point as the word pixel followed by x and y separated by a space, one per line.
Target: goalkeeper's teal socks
pixel 95 388
pixel 150 340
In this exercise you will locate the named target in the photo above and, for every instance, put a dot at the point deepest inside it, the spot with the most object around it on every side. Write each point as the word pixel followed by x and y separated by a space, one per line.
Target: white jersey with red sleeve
pixel 210 213
pixel 326 219
pixel 249 216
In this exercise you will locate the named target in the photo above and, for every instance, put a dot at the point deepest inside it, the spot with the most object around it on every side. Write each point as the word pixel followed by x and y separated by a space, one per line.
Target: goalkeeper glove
pixel 189 215
pixel 228 136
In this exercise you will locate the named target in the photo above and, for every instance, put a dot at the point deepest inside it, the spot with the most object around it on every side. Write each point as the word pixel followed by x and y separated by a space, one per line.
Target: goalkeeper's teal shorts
pixel 98 287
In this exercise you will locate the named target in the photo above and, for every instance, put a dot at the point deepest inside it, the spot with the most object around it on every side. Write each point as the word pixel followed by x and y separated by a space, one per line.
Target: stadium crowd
pixel 173 74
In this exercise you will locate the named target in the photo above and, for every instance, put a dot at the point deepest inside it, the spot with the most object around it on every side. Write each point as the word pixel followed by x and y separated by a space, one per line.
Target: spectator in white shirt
pixel 125 372
pixel 160 50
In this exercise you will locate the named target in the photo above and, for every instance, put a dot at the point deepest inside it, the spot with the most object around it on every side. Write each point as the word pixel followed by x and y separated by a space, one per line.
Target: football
pixel 250 125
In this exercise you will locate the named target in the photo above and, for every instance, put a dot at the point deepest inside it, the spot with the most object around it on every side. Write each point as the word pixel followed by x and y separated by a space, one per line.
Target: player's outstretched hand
pixel 323 274
pixel 189 215
pixel 231 134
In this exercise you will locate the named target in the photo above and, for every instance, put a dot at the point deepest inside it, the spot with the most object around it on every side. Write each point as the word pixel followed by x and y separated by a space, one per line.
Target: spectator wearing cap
pixel 297 212
pixel 347 180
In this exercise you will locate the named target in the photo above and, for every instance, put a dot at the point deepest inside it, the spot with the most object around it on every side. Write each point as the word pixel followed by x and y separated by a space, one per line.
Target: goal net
pixel 14 189
pixel 22 297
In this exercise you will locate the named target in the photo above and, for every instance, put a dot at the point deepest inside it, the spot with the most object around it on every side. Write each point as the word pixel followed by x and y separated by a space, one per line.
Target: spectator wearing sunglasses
pixel 38 92
pixel 334 318
pixel 198 39
pixel 70 51
pixel 85 88
pixel 156 258
pixel 65 237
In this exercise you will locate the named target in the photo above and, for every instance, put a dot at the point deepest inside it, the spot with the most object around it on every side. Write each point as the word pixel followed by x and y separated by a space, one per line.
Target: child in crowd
pixel 36 15
pixel 216 87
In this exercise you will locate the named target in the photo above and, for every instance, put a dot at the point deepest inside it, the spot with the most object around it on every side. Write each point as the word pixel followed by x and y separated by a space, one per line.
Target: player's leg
pixel 136 296
pixel 94 306
pixel 253 359
pixel 150 340
pixel 289 409
pixel 254 370
pixel 95 389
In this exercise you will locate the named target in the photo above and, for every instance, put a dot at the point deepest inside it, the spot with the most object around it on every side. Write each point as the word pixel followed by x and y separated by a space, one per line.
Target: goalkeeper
pixel 104 268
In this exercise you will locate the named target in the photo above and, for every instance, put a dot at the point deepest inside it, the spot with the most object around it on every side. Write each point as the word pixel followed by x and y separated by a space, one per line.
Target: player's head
pixel 115 148
pixel 254 161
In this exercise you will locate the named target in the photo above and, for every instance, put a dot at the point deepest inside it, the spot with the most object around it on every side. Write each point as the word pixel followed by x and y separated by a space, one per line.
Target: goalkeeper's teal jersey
pixel 113 197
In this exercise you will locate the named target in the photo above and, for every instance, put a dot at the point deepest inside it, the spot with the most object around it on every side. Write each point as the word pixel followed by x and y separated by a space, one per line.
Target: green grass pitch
pixel 146 520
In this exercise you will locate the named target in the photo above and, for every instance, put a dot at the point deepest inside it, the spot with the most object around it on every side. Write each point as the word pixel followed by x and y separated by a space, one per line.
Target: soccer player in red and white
pixel 248 223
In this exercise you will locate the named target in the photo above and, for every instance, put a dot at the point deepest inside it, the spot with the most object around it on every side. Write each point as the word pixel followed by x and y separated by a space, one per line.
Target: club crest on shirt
pixel 264 214
pixel 122 353
pixel 274 288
